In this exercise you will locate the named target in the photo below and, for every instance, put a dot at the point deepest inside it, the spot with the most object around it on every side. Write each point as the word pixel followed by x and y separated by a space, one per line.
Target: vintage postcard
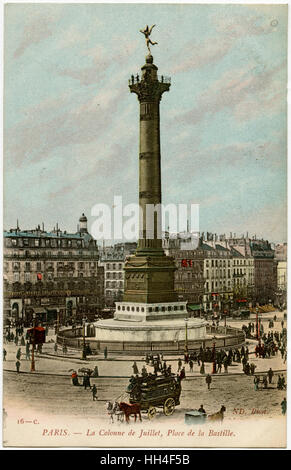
pixel 145 230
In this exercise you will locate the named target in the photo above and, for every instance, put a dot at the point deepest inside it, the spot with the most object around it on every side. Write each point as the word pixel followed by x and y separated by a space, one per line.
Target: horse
pixel 130 410
pixel 114 409
pixel 217 416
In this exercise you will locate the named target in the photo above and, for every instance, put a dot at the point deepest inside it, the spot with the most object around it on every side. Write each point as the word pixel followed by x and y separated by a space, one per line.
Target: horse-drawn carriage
pixel 155 391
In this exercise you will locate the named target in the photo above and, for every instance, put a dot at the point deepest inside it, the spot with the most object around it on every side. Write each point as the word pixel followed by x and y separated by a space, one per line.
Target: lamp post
pixel 186 336
pixel 214 357
pixel 84 342
pixel 32 366
pixel 257 323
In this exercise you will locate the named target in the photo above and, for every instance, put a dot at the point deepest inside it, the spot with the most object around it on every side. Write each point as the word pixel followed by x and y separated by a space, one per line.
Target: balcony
pixel 44 256
pixel 160 78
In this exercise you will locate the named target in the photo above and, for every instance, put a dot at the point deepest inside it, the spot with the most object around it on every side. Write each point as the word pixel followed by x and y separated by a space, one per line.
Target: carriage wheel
pixel 169 406
pixel 152 412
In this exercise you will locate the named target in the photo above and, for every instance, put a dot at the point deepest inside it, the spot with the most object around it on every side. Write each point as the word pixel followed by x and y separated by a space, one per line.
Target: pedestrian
pixel 75 380
pixel 202 369
pixel 191 365
pixel 252 368
pixel 265 381
pixel 4 354
pixel 22 341
pixel 284 406
pixel 208 380
pixel 270 375
pixel 86 381
pixel 95 372
pixel 17 363
pixel 94 392
pixel 135 368
pixel 256 383
pixel 27 351
pixel 201 409
pixel 105 352
pixel 179 364
pixel 18 354
pixel 56 347
pixel 182 374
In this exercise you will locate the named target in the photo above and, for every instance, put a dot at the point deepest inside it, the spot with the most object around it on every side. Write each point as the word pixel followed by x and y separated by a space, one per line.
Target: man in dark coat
pixel 284 406
pixel 208 380
pixel 86 381
pixel 201 409
pixel 182 374
pixel 94 392
pixel 270 375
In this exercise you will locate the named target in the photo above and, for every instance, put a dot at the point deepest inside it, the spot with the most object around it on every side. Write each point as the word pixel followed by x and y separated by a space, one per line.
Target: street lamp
pixel 32 366
pixel 257 323
pixel 186 335
pixel 214 356
pixel 84 342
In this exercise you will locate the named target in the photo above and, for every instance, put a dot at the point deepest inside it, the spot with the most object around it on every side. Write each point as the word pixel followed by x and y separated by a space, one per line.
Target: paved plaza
pixel 50 385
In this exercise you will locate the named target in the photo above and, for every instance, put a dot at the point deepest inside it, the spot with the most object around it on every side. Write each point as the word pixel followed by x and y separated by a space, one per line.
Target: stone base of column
pixel 150 279
pixel 141 312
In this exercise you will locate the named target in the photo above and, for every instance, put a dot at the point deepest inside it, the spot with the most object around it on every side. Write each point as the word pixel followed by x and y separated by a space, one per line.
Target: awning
pixel 38 310
pixel 194 306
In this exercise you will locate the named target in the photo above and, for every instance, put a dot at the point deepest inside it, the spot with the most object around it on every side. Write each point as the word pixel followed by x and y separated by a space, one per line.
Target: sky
pixel 71 126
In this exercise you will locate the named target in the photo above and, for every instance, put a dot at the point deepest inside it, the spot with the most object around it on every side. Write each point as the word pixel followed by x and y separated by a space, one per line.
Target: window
pixel 16 277
pixel 14 241
pixel 36 242
pixel 27 277
pixel 38 266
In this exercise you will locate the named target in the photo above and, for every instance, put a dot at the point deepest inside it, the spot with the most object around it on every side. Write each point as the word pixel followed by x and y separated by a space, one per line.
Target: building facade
pixel 52 275
pixel 265 271
pixel 238 272
pixel 281 285
pixel 112 259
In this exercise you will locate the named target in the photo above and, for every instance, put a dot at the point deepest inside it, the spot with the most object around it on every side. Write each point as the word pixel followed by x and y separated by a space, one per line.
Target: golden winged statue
pixel 147 32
